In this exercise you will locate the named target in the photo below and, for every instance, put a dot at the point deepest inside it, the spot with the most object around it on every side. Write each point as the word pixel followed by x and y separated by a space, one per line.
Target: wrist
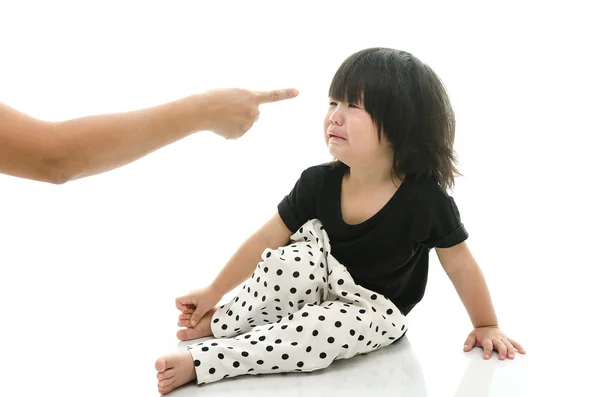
pixel 487 326
pixel 217 290
pixel 201 113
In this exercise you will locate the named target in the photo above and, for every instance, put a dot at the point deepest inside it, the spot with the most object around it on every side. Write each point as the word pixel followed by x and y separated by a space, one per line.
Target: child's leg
pixel 357 321
pixel 287 279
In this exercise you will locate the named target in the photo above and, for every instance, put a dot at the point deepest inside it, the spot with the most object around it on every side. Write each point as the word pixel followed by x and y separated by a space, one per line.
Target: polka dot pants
pixel 298 312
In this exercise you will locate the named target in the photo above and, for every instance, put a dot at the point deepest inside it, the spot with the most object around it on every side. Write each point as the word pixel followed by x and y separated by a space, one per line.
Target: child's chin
pixel 336 152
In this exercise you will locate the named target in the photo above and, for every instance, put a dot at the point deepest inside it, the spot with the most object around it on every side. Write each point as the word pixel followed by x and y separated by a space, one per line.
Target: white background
pixel 89 270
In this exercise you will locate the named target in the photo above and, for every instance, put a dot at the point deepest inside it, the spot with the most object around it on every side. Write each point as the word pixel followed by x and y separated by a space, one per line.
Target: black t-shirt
pixel 388 253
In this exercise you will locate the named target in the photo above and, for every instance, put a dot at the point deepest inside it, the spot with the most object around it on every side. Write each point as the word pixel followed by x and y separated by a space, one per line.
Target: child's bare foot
pixel 174 370
pixel 201 329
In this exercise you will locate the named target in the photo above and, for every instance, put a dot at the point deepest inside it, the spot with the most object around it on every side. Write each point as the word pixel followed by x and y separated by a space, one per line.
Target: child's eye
pixel 332 104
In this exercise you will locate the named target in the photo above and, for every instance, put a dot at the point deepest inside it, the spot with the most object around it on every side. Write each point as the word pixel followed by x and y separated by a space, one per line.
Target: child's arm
pixel 465 274
pixel 469 282
pixel 196 304
pixel 273 234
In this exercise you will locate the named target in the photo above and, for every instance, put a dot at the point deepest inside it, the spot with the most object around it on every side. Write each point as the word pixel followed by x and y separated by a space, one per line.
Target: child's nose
pixel 336 117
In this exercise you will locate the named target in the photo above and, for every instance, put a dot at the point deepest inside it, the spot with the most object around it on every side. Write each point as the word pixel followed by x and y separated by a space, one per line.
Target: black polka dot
pixel 212 371
pixel 373 296
pixel 264 298
pixel 221 356
pixel 275 368
pixel 323 355
pixel 291 304
pixel 358 318
pixel 305 314
pixel 197 363
pixel 294 343
pixel 285 356
pixel 269 348
pixel 299 328
pixel 300 364
pixel 345 346
pixel 308 349
pixel 255 294
pixel 343 311
pixel 250 308
pixel 361 337
pixel 338 324
pixel 262 338
pixel 330 339
pixel 247 336
pixel 216 320
pixel 236 364
pixel 205 349
pixel 315 332
pixel 245 354
pixel 340 282
pixel 322 318
pixel 296 274
pixel 291 317
pixel 297 259
pixel 260 362
pixel 352 332
pixel 279 272
pixel 243 303
pixel 251 369
pixel 362 311
pixel 253 342
pixel 268 256
pixel 312 276
pixel 284 326
pixel 293 290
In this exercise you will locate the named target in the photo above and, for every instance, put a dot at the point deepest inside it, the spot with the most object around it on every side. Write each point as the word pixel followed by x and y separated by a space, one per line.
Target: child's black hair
pixel 409 106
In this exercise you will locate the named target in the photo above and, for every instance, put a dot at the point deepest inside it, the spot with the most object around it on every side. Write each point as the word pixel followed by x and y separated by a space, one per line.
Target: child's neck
pixel 372 174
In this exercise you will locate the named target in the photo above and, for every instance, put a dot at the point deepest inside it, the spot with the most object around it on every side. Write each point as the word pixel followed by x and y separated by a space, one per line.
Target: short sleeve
pixel 299 206
pixel 438 223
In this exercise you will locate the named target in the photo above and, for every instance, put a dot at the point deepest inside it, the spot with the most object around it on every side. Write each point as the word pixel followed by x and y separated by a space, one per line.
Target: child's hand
pixel 195 305
pixel 490 339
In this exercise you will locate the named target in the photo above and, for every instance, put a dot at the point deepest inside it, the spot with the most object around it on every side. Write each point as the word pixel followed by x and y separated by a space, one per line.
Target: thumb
pixel 470 342
pixel 196 317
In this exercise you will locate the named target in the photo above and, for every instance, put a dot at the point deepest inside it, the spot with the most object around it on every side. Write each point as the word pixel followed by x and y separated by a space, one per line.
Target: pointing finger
pixel 276 95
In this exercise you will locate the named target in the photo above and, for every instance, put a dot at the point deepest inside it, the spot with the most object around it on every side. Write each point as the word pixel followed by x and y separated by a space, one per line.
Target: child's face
pixel 351 135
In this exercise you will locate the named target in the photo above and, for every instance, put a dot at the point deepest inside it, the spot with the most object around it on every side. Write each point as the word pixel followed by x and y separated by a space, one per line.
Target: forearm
pixel 474 294
pixel 96 144
pixel 273 234
pixel 242 264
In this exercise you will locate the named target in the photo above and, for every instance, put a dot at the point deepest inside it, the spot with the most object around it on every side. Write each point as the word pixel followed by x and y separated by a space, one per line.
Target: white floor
pixel 102 340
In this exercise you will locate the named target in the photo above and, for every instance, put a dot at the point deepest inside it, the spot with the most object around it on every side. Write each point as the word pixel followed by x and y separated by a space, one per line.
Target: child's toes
pixel 166 374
